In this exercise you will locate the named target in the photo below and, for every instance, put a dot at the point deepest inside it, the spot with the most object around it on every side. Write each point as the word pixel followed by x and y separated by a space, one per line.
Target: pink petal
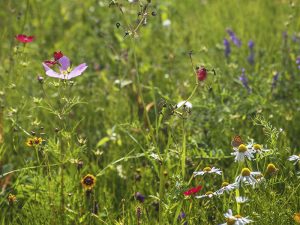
pixel 64 62
pixel 77 71
pixel 52 73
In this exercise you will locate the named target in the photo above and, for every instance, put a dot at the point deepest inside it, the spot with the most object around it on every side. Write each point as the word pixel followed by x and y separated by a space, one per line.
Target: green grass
pixel 118 117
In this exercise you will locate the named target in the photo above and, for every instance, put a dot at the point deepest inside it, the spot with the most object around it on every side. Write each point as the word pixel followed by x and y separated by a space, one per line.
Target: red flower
pixel 50 63
pixel 201 74
pixel 24 39
pixel 57 55
pixel 193 190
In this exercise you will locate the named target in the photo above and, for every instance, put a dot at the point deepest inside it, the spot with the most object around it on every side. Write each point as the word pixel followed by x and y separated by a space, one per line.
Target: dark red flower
pixel 57 55
pixel 201 74
pixel 192 191
pixel 50 63
pixel 24 39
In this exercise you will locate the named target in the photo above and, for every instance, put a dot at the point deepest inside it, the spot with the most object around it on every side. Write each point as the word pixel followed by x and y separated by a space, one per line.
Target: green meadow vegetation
pixel 180 112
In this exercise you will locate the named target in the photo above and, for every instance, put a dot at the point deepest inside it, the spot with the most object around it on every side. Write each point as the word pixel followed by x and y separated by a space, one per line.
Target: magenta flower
pixel 66 72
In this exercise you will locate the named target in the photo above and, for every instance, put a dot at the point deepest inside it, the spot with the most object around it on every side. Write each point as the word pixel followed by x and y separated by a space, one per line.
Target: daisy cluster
pixel 244 154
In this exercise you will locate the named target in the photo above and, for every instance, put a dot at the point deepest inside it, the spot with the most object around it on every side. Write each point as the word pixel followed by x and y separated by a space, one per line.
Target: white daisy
pixel 208 170
pixel 241 152
pixel 208 194
pixel 226 187
pixel 295 158
pixel 241 199
pixel 247 177
pixel 235 220
pixel 256 148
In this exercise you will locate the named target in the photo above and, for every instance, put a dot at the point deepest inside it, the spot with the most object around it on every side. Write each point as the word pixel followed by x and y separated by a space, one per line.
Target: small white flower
pixel 226 187
pixel 184 104
pixel 235 220
pixel 247 177
pixel 256 148
pixel 295 158
pixel 242 152
pixel 208 194
pixel 208 170
pixel 241 199
pixel 166 23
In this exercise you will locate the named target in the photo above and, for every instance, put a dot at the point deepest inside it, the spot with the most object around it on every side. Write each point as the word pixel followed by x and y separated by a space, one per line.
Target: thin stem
pixel 183 153
pixel 161 193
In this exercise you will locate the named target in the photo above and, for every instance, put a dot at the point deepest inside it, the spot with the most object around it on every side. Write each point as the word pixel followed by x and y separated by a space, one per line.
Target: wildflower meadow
pixel 140 112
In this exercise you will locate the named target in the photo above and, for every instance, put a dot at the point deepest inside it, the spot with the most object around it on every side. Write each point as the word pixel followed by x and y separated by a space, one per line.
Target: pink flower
pixel 201 73
pixel 66 72
pixel 192 190
pixel 24 39
pixel 50 63
pixel 57 55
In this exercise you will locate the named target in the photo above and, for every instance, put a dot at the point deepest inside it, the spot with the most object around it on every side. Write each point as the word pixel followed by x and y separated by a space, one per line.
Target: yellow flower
pixel 11 198
pixel 34 141
pixel 297 217
pixel 29 142
pixel 37 140
pixel 88 182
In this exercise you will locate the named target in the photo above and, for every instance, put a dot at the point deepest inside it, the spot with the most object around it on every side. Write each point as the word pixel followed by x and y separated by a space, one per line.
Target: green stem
pixel 62 187
pixel 183 153
pixel 161 192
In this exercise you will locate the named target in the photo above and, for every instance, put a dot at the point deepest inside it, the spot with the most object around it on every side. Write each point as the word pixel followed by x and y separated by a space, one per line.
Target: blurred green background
pixel 128 80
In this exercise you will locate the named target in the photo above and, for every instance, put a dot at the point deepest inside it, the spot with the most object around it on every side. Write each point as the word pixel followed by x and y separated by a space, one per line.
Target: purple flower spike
pixel 251 48
pixel 298 62
pixel 244 81
pixel 139 197
pixel 66 72
pixel 251 44
pixel 234 38
pixel 275 79
pixel 227 47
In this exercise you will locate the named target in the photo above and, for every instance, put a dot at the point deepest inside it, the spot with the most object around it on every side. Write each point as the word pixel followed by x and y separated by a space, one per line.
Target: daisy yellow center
pixel 207 169
pixel 246 172
pixel 297 218
pixel 238 216
pixel 209 193
pixel 271 168
pixel 230 221
pixel 299 155
pixel 242 148
pixel 257 147
pixel 224 184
